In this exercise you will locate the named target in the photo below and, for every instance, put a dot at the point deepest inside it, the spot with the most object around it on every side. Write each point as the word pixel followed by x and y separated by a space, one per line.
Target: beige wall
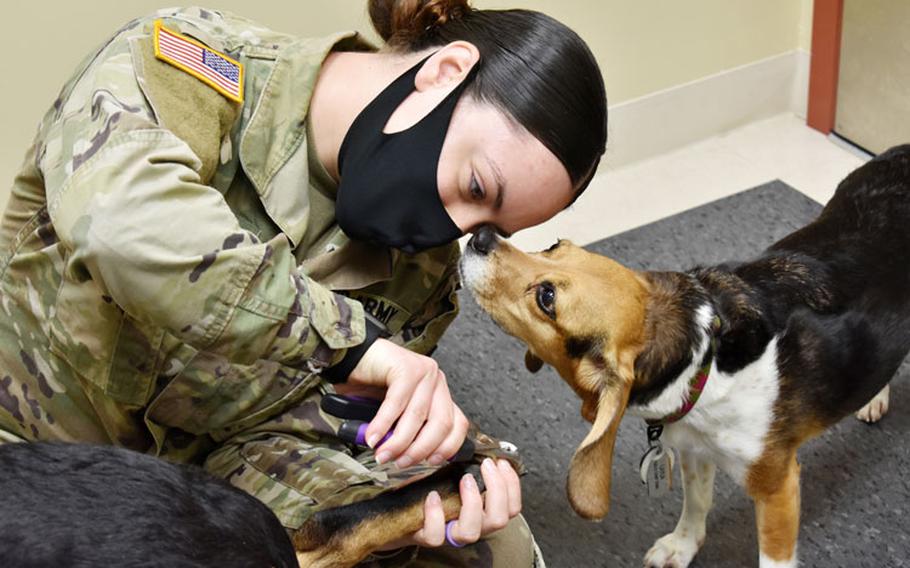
pixel 643 45
pixel 648 45
pixel 805 25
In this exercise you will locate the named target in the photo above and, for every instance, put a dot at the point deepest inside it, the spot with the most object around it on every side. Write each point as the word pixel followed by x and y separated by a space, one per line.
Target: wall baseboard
pixel 665 120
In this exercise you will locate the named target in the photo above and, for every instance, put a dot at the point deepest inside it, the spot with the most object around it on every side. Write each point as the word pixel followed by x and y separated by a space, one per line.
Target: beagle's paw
pixel 877 407
pixel 673 551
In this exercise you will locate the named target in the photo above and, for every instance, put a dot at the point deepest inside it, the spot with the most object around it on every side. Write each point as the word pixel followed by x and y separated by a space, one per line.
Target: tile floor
pixel 781 147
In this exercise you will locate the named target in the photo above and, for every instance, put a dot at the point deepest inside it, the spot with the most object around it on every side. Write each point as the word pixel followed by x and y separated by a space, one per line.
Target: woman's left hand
pixel 480 515
pixel 428 425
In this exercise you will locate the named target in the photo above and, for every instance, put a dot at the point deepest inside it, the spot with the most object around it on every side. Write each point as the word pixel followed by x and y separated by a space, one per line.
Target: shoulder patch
pixel 213 68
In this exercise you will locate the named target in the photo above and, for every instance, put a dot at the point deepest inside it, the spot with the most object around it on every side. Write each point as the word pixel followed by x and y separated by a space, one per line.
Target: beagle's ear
pixel 590 471
pixel 532 361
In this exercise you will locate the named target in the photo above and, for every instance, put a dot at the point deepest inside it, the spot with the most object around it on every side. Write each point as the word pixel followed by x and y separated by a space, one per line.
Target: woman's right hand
pixel 429 424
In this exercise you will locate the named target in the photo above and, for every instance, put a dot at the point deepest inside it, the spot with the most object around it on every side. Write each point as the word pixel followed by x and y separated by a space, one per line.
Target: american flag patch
pixel 217 70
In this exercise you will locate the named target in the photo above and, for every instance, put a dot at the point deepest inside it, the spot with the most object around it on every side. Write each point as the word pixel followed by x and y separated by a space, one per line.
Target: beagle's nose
pixel 484 240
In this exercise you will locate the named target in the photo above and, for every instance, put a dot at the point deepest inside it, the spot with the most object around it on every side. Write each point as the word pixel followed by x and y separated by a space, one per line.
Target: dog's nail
pixel 403 462
pixel 383 457
pixel 436 459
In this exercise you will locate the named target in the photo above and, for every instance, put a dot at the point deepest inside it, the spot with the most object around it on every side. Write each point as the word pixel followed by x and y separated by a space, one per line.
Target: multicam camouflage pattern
pixel 124 274
pixel 296 477
pixel 172 278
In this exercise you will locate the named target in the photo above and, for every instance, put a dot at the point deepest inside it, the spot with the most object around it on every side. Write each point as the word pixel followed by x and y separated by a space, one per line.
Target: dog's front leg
pixel 774 486
pixel 677 549
pixel 343 536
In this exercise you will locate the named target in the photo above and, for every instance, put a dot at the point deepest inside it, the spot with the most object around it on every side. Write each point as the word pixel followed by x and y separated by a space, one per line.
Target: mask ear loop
pixel 442 105
pixel 391 95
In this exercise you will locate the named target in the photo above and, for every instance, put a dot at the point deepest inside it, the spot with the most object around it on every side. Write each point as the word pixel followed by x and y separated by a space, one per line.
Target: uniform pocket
pixel 101 343
pixel 321 473
pixel 213 396
pixel 293 475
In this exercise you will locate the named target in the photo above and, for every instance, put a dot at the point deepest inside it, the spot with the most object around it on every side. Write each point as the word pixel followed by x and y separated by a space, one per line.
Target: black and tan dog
pixel 779 348
pixel 87 505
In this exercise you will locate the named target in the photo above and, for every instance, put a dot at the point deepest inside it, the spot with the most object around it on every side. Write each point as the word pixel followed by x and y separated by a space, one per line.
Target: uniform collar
pixel 277 129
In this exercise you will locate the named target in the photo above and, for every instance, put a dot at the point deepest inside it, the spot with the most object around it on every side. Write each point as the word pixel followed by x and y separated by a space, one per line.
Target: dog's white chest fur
pixel 731 419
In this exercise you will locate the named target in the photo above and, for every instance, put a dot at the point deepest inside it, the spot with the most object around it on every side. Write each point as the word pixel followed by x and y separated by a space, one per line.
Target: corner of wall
pixel 663 121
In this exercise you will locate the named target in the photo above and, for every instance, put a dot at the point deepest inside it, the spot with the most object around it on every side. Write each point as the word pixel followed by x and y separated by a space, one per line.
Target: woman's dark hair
pixel 532 67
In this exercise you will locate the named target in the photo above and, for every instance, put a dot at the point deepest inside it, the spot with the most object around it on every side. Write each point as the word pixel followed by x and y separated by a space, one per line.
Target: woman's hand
pixel 429 425
pixel 480 514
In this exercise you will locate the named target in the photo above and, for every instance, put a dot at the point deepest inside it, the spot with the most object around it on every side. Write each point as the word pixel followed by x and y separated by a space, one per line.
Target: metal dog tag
pixel 656 470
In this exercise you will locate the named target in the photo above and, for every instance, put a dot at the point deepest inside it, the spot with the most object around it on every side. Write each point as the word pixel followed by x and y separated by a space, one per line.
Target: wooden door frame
pixel 827 20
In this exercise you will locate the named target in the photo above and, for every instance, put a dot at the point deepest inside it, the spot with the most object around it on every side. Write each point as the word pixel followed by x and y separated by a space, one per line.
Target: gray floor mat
pixel 854 486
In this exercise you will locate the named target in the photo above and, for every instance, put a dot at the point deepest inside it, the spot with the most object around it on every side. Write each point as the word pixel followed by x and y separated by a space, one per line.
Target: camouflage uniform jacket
pixel 171 273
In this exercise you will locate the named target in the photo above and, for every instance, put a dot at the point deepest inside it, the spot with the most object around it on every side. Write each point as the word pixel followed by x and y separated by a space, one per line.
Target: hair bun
pixel 405 22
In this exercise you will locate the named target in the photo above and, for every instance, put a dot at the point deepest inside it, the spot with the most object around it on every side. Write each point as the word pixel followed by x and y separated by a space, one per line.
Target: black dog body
pixel 89 506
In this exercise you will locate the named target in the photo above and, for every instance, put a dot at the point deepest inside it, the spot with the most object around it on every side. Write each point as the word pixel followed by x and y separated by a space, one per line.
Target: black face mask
pixel 388 193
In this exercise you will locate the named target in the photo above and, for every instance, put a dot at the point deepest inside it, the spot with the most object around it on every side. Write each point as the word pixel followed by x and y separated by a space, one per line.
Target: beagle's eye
pixel 546 299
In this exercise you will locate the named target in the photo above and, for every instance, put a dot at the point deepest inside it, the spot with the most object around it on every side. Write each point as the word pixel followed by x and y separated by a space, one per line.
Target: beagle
pixel 732 366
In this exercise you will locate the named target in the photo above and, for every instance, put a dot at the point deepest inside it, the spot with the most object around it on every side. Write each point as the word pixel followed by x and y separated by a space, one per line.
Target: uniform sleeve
pixel 126 198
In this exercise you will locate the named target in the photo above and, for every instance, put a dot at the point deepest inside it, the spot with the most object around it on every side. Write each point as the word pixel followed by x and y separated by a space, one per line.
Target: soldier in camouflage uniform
pixel 173 280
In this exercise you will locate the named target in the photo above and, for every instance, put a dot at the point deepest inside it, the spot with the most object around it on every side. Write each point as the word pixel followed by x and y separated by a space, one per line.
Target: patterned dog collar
pixel 696 383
